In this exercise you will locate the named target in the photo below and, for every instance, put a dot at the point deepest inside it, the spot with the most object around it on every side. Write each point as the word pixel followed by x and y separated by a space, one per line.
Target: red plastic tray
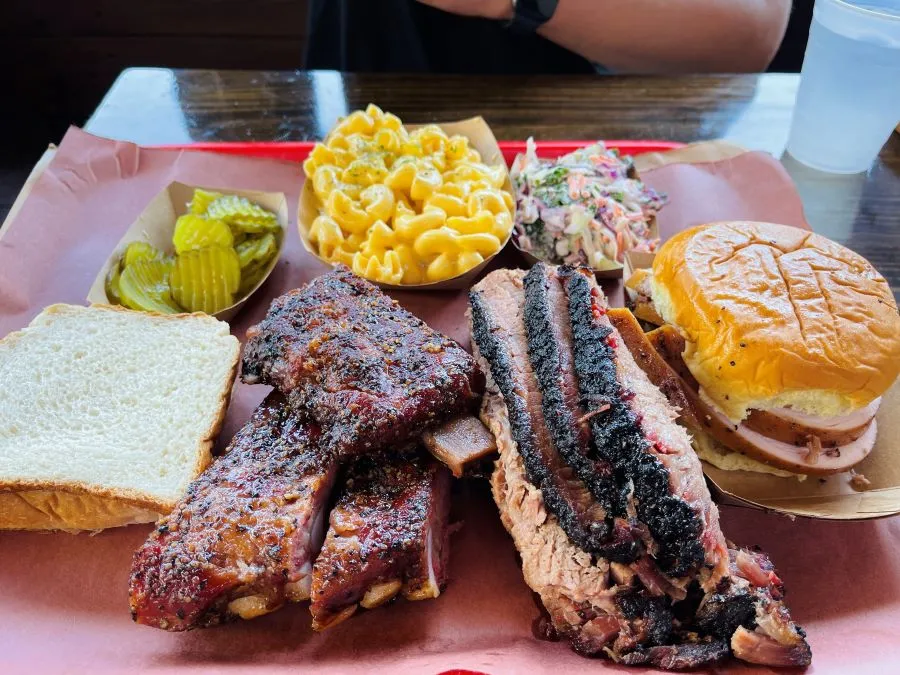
pixel 297 151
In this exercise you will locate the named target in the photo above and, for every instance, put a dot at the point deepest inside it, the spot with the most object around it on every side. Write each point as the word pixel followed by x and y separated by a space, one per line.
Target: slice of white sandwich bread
pixel 106 414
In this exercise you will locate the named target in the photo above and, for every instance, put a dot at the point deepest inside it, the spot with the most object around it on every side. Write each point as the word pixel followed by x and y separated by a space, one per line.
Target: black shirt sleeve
pixel 407 36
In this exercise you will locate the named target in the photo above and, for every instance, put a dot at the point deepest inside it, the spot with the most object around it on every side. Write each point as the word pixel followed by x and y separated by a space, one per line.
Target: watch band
pixel 529 15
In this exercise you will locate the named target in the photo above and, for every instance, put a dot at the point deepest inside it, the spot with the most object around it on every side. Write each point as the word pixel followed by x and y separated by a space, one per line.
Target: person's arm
pixel 657 35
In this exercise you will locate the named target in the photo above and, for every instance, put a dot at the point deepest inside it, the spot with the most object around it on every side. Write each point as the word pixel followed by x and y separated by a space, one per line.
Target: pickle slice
pixel 140 250
pixel 206 279
pixel 242 215
pixel 251 276
pixel 193 231
pixel 201 200
pixel 256 250
pixel 112 283
pixel 144 285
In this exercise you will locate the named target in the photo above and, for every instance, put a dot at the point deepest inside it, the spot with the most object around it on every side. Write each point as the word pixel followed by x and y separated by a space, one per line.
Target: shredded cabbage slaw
pixel 587 207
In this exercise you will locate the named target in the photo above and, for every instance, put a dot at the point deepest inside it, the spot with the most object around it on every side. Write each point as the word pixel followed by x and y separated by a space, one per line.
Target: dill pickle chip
pixel 206 279
pixel 201 199
pixel 140 250
pixel 257 250
pixel 251 276
pixel 242 215
pixel 112 283
pixel 144 285
pixel 193 231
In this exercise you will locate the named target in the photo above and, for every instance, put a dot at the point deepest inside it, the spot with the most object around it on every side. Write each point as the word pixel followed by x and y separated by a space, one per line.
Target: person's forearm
pixel 671 35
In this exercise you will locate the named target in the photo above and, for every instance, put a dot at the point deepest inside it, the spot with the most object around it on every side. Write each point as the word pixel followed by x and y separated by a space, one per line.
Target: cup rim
pixel 872 13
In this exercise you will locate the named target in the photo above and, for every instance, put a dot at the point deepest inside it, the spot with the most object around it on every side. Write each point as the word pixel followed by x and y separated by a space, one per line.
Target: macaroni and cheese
pixel 405 207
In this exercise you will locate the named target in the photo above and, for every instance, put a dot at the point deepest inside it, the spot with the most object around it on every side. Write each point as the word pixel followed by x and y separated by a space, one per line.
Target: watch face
pixel 547 7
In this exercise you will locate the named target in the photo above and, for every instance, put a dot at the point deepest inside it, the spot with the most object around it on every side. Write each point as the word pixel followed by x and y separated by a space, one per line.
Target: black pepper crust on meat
pixel 564 494
pixel 369 372
pixel 250 525
pixel 388 531
pixel 619 440
pixel 545 300
pixel 725 601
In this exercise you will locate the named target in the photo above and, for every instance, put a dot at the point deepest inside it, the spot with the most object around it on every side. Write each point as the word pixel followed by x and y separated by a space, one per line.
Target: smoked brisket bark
pixel 243 539
pixel 498 331
pixel 387 535
pixel 619 438
pixel 550 351
pixel 369 372
pixel 687 602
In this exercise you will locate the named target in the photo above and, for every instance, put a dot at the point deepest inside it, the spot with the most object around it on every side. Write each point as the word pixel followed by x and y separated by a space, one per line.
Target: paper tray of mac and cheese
pixel 374 265
pixel 66 598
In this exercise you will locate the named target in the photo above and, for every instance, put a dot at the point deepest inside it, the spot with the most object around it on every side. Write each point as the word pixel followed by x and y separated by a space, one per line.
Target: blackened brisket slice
pixel 372 374
pixel 598 606
pixel 550 353
pixel 637 435
pixel 498 332
pixel 387 535
pixel 243 539
pixel 724 601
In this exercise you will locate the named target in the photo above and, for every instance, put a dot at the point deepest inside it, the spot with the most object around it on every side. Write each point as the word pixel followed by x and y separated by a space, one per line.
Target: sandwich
pixel 780 341
pixel 106 414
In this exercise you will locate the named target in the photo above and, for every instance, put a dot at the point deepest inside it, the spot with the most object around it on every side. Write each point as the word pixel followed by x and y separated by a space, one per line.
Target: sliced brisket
pixel 387 535
pixel 499 333
pixel 550 353
pixel 554 365
pixel 243 539
pixel 618 434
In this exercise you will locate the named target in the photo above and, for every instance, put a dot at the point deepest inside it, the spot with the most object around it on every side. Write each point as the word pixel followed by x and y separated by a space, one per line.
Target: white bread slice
pixel 106 415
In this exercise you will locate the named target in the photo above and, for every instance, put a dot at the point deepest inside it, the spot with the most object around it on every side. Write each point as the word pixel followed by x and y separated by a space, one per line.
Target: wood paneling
pixel 59 57
pixel 118 18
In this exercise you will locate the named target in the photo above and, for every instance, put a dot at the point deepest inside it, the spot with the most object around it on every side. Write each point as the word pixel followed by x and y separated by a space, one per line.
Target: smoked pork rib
pixel 369 372
pixel 387 535
pixel 687 598
pixel 243 539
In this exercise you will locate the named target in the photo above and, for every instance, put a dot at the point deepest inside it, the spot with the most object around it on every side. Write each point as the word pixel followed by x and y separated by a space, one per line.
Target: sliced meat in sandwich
pixel 787 339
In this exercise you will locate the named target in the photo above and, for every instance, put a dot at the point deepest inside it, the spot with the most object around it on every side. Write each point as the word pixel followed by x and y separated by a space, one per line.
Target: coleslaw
pixel 587 207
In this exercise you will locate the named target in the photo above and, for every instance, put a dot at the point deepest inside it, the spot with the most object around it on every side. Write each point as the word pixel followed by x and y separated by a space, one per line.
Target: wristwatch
pixel 529 15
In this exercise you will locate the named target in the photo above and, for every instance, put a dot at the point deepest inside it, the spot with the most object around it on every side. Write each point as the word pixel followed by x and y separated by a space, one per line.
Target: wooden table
pixel 154 106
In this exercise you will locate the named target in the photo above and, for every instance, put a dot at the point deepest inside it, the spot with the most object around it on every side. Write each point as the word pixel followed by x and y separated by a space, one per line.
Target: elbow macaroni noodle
pixel 404 207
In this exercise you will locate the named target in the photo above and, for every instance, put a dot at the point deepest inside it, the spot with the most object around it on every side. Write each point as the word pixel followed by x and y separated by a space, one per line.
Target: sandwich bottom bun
pixel 775 316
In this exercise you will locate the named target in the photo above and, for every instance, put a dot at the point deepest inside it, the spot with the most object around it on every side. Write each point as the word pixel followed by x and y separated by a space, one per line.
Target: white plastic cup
pixel 849 98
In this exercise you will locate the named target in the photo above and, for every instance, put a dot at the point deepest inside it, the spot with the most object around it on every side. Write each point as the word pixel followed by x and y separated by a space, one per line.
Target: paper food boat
pixel 482 139
pixel 156 223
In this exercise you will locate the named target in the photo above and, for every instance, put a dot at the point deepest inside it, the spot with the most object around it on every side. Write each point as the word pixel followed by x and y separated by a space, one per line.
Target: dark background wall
pixel 58 57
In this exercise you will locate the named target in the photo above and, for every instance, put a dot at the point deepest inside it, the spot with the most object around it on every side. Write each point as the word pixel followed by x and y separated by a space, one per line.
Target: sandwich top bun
pixel 776 316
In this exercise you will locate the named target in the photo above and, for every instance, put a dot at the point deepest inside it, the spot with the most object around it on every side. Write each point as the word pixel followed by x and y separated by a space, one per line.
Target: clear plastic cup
pixel 849 98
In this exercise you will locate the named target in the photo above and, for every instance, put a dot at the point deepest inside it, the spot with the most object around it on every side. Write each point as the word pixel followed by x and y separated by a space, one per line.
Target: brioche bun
pixel 776 316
